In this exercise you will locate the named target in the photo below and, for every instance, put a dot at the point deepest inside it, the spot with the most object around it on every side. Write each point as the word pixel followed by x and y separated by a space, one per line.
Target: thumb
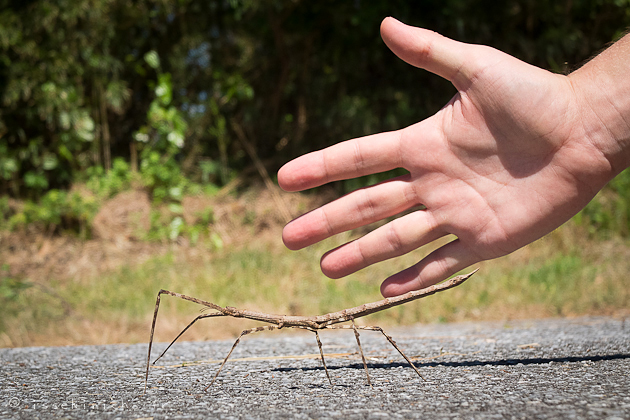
pixel 426 49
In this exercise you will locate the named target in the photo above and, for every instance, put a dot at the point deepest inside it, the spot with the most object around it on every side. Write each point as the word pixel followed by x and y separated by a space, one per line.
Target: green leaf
pixel 50 162
pixel 35 181
pixel 9 167
pixel 152 59
pixel 175 208
pixel 84 126
pixel 217 242
pixel 175 228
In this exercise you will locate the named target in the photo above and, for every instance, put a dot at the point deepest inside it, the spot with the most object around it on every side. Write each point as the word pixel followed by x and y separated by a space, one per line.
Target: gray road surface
pixel 528 369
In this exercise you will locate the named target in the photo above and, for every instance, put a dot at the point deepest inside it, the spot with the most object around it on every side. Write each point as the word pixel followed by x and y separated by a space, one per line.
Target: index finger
pixel 345 160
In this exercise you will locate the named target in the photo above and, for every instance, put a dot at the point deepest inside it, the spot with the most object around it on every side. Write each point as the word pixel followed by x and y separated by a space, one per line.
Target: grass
pixel 564 274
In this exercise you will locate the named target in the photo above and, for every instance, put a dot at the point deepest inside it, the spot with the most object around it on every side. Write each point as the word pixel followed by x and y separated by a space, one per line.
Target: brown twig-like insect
pixel 313 323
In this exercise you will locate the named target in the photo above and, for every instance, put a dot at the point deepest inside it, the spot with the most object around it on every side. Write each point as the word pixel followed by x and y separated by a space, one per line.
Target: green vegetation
pixel 98 94
pixel 560 275
pixel 155 96
pixel 99 97
pixel 167 85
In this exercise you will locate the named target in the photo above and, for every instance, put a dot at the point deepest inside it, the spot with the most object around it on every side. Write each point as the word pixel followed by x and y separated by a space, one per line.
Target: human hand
pixel 505 162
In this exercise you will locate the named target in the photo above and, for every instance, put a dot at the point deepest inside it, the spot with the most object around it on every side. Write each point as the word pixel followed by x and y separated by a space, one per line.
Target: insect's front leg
pixel 155 315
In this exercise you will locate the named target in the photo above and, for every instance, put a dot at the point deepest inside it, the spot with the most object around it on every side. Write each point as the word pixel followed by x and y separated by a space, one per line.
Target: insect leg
pixel 356 335
pixel 393 343
pixel 185 329
pixel 251 330
pixel 321 352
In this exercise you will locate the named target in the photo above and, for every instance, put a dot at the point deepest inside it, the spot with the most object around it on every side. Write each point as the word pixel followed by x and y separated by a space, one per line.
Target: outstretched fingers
pixel 394 239
pixel 358 208
pixel 438 265
pixel 349 159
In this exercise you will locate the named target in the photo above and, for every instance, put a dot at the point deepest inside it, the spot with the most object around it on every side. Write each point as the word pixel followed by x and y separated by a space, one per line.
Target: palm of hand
pixel 493 164
pixel 497 167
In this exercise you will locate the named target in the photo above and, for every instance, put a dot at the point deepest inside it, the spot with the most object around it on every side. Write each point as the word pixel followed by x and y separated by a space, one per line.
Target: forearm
pixel 602 89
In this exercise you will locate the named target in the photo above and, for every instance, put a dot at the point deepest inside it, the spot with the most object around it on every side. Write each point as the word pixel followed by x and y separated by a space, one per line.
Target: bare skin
pixel 516 153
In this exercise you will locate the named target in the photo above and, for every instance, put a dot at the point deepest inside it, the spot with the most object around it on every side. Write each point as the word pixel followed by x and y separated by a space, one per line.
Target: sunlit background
pixel 139 143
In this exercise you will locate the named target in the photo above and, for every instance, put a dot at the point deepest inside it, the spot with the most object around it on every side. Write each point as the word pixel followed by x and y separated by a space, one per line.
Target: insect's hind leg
pixel 379 329
pixel 251 330
pixel 356 336
pixel 393 343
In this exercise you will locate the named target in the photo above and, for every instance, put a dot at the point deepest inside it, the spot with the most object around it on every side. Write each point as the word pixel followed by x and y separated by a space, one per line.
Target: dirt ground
pixel 123 222
pixel 120 240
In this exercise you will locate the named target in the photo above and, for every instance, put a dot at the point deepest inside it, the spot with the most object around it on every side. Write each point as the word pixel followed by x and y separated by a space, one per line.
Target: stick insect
pixel 313 324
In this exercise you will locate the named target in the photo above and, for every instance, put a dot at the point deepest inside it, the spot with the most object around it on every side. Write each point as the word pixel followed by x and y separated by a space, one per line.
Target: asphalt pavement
pixel 559 368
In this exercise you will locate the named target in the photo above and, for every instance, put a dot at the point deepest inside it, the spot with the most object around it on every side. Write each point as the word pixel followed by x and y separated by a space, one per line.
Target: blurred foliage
pixel 55 211
pixel 93 90
pixel 609 213
pixel 10 287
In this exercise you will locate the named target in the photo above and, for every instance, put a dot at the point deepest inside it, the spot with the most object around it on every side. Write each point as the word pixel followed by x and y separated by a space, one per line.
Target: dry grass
pixel 563 274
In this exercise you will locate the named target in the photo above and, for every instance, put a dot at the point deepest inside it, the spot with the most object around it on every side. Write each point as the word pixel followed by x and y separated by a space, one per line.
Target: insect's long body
pixel 313 323
pixel 323 321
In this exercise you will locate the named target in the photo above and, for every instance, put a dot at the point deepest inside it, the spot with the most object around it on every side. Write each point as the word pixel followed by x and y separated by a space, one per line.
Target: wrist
pixel 602 91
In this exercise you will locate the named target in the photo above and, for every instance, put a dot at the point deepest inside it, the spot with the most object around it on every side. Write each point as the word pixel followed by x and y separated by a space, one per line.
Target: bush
pixel 57 211
pixel 107 184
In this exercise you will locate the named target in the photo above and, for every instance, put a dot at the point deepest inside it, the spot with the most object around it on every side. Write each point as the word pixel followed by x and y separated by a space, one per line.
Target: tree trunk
pixel 107 159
